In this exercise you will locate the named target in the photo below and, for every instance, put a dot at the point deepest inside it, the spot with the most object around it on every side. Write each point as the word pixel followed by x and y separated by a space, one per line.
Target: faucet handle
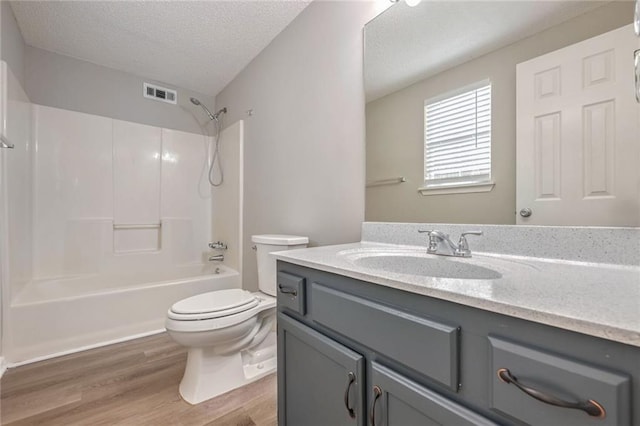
pixel 433 243
pixel 218 245
pixel 471 233
pixel 463 244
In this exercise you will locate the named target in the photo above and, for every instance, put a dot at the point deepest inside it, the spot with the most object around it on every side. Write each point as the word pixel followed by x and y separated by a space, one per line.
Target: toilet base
pixel 208 375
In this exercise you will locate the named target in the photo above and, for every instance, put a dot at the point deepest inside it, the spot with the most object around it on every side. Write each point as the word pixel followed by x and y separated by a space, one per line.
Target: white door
pixel 578 134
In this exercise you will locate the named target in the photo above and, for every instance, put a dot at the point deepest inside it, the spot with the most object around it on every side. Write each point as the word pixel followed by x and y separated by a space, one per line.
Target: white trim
pixel 457 91
pixel 458 189
pixel 85 348
pixel 3 366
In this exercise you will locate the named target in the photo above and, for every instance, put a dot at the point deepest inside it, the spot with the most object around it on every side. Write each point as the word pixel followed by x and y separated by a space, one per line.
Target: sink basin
pixel 416 261
pixel 440 267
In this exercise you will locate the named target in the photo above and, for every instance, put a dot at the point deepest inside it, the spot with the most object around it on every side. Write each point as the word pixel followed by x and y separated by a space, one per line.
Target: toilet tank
pixel 266 244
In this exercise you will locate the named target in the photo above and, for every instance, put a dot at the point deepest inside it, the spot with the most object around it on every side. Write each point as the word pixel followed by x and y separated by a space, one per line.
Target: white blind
pixel 458 138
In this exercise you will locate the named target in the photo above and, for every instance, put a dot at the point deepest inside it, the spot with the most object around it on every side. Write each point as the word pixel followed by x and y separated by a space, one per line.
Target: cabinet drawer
pixel 548 375
pixel 291 289
pixel 426 346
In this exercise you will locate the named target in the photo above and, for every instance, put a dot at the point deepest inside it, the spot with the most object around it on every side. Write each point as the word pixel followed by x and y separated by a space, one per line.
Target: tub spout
pixel 216 257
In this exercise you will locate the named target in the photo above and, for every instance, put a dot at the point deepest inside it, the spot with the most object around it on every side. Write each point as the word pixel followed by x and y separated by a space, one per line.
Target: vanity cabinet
pixel 357 353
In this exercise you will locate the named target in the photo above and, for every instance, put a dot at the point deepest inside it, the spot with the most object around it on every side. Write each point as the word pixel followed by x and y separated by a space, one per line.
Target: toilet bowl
pixel 230 333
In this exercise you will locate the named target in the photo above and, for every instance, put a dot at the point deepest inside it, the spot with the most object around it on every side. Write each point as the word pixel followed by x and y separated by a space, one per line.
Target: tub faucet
pixel 216 257
pixel 441 244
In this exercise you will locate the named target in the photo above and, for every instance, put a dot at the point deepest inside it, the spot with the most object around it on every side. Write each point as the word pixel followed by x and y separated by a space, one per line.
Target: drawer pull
pixel 377 392
pixel 590 407
pixel 287 290
pixel 352 378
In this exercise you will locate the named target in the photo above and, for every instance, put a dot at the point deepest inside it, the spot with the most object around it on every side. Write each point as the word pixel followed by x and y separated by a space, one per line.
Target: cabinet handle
pixel 287 290
pixel 377 392
pixel 591 407
pixel 352 378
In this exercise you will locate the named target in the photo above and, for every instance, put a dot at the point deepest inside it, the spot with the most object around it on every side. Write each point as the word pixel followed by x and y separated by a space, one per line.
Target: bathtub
pixel 57 316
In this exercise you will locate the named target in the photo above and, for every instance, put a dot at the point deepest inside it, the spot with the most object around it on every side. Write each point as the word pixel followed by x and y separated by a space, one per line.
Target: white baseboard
pixel 3 366
pixel 80 349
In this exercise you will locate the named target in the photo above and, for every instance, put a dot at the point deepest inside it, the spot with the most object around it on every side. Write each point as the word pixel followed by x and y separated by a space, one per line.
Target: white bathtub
pixel 57 316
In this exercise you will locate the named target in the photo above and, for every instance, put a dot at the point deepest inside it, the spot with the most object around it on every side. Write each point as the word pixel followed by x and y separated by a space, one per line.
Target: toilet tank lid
pixel 280 240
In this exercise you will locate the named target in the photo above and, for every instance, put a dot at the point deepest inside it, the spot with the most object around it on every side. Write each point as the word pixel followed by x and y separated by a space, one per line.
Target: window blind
pixel 458 138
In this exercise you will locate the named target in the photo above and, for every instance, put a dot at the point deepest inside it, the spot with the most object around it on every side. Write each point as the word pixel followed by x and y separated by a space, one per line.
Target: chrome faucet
pixel 440 244
pixel 216 257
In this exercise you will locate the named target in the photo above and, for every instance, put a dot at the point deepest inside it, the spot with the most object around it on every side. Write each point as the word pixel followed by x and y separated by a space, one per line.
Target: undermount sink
pixel 413 261
pixel 431 267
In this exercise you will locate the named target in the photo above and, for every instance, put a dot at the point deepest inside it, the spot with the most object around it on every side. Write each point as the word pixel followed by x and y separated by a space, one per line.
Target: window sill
pixel 457 189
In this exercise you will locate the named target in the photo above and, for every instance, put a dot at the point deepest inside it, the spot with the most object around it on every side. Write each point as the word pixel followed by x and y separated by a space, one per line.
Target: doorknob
pixel 526 212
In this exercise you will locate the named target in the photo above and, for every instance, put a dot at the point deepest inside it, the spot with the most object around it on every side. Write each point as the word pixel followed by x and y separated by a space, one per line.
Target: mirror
pixel 414 54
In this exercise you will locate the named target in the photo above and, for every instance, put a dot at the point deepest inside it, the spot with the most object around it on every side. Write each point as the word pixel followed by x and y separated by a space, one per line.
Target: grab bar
pixel 138 226
pixel 388 181
pixel 4 143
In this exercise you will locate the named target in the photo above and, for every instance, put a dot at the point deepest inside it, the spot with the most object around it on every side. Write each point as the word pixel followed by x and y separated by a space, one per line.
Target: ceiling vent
pixel 158 93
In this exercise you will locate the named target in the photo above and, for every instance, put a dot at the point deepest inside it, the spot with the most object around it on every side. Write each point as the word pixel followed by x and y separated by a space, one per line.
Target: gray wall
pixel 395 130
pixel 12 44
pixel 304 143
pixel 63 82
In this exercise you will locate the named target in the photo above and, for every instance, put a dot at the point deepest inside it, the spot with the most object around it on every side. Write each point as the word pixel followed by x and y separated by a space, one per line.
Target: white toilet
pixel 230 333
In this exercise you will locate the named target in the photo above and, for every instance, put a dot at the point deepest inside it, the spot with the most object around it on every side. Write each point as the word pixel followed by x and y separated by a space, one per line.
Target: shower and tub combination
pixel 105 224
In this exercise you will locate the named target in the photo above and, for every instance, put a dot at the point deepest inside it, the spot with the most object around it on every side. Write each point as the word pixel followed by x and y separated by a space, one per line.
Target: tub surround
pixel 114 227
pixel 585 280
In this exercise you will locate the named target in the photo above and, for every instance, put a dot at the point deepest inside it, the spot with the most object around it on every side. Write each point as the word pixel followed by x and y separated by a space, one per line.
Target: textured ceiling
pixel 198 45
pixel 404 45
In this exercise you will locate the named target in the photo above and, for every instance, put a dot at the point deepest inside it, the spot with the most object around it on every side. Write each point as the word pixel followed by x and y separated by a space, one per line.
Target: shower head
pixel 215 116
pixel 195 101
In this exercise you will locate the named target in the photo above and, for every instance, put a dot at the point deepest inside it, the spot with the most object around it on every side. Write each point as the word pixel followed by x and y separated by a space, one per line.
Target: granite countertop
pixel 596 299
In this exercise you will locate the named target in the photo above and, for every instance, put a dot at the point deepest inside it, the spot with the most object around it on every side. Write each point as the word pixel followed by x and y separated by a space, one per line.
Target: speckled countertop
pixel 597 299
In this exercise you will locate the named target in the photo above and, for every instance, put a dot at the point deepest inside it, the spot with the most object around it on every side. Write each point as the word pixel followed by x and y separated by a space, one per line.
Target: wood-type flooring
pixel 133 383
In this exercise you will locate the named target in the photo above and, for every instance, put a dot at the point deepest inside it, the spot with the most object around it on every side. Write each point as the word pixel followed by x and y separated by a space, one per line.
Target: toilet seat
pixel 191 324
pixel 214 304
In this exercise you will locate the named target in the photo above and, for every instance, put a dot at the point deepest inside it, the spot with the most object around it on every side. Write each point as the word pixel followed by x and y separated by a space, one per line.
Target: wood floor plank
pixel 38 402
pixel 238 417
pixel 132 383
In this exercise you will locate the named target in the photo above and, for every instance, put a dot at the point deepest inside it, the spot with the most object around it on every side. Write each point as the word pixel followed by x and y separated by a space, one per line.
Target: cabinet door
pixel 399 401
pixel 320 382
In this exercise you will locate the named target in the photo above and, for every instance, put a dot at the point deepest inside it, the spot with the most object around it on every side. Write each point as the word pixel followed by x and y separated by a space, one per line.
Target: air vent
pixel 158 93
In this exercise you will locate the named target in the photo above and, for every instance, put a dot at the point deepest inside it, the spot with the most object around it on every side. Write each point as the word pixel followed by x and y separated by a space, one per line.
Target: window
pixel 457 140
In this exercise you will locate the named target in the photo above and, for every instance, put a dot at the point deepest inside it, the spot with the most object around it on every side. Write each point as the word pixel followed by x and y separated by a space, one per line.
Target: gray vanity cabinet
pixel 323 369
pixel 402 359
pixel 320 381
